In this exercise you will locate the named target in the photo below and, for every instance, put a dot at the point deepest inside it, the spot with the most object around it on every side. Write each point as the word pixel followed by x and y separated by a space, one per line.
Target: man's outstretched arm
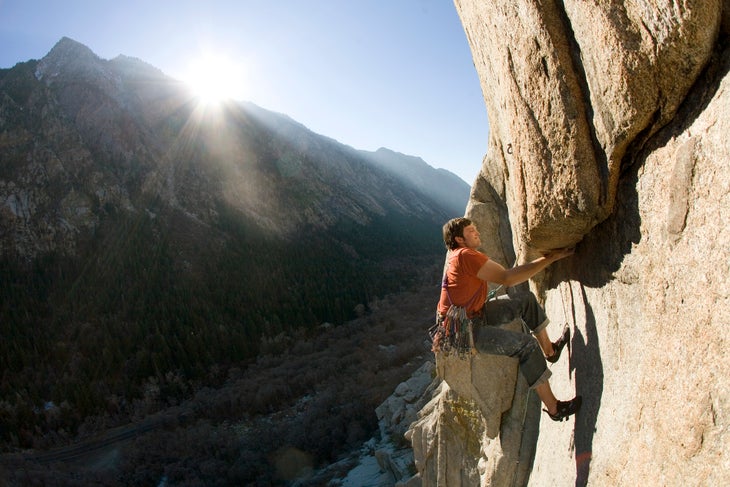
pixel 493 272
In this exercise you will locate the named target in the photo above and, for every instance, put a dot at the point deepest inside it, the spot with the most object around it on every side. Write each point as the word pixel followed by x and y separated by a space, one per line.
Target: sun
pixel 214 78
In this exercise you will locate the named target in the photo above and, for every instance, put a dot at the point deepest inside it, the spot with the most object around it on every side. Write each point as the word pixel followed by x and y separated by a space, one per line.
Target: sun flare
pixel 214 78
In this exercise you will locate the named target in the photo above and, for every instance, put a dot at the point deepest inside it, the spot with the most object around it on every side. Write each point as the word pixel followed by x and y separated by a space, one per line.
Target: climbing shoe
pixel 566 408
pixel 558 346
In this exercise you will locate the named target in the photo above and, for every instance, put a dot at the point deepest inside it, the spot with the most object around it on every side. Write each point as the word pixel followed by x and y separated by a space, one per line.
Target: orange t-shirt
pixel 464 288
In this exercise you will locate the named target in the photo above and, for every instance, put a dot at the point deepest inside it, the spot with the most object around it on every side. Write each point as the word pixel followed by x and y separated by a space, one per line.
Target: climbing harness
pixel 453 331
pixel 493 293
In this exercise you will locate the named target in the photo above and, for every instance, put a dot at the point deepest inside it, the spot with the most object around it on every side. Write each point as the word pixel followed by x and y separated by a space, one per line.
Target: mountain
pixel 445 187
pixel 143 235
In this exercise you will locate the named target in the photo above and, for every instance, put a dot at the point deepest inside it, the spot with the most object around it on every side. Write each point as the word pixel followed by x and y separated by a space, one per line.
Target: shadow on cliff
pixel 596 261
pixel 587 365
pixel 601 252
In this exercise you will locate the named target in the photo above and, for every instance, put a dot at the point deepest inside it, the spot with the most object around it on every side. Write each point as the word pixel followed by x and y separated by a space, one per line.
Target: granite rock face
pixel 608 131
pixel 572 92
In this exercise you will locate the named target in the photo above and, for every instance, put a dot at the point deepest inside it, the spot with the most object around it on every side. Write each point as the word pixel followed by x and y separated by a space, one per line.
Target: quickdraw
pixel 452 333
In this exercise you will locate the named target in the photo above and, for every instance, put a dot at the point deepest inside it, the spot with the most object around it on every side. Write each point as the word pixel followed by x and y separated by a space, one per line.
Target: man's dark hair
pixel 454 228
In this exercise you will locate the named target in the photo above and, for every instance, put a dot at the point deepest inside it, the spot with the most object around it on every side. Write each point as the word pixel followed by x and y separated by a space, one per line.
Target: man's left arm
pixel 493 272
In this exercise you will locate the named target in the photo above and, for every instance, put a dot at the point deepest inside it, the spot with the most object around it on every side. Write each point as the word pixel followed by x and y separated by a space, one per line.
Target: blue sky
pixel 368 73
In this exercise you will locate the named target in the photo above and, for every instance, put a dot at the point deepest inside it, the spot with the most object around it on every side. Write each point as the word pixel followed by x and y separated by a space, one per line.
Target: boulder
pixel 480 426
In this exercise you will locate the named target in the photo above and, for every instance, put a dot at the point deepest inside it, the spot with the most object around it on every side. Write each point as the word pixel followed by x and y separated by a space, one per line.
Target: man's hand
pixel 557 254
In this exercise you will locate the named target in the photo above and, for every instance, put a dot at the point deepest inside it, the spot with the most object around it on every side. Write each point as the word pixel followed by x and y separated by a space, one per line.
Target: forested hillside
pixel 300 412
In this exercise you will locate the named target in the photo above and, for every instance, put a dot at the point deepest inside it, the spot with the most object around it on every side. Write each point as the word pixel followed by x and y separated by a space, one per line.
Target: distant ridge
pixel 444 186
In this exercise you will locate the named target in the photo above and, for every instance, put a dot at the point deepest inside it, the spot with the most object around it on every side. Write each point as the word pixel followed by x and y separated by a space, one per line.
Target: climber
pixel 465 285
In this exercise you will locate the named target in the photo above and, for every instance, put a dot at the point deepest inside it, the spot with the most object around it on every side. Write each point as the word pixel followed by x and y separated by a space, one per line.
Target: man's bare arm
pixel 493 272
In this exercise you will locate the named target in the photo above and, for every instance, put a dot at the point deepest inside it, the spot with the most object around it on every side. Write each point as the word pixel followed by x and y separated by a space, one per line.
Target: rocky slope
pixel 608 132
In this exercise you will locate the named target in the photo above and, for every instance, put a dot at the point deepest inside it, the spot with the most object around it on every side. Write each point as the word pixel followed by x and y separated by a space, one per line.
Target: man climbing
pixel 465 285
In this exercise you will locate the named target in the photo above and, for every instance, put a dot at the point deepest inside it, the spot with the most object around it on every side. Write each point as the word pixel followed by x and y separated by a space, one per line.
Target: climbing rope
pixel 565 306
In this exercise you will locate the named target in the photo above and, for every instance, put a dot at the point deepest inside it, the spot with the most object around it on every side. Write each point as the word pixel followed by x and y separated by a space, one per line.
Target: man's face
pixel 471 237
